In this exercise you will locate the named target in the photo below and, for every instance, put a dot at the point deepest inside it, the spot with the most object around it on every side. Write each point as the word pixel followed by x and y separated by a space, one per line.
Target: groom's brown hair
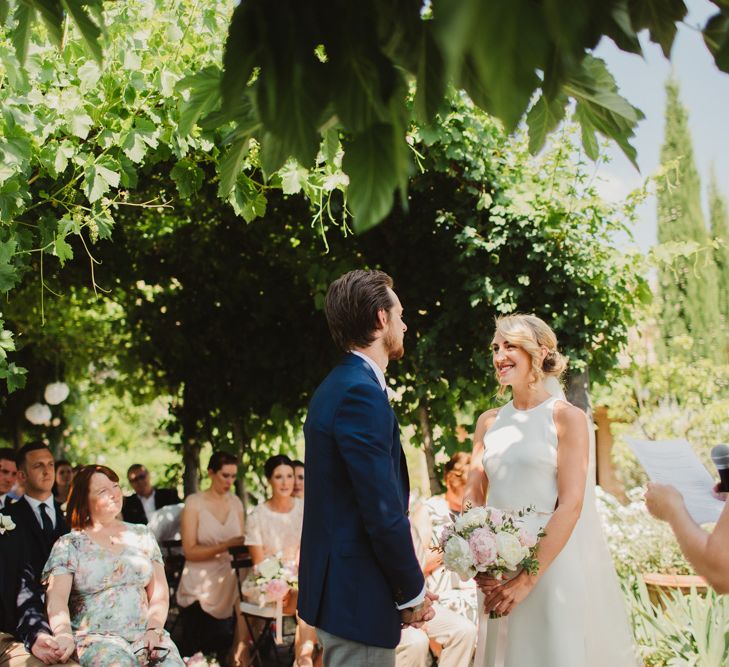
pixel 351 306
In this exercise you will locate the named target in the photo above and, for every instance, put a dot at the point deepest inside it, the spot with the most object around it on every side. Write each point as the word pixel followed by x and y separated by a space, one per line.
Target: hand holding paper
pixel 674 462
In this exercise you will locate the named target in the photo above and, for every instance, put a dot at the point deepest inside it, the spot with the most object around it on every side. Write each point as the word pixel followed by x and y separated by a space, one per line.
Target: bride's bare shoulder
pixel 486 419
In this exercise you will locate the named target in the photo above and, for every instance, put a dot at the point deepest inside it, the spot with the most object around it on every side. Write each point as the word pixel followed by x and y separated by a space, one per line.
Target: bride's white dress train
pixel 575 616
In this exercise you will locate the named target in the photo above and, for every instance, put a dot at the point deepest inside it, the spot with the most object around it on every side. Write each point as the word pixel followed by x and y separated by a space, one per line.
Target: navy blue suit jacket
pixel 357 557
pixel 23 553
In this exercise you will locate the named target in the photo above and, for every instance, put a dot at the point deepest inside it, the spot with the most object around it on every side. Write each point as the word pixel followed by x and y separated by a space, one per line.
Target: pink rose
pixel 497 517
pixel 483 548
pixel 276 589
pixel 527 538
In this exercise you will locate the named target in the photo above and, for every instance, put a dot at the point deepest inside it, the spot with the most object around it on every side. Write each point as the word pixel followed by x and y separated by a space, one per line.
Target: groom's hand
pixel 420 614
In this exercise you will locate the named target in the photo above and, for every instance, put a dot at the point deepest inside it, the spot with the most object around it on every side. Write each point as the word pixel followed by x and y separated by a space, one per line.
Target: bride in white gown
pixel 535 451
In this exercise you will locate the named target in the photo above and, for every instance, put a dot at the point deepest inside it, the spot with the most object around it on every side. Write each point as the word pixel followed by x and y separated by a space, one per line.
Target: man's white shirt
pixel 148 504
pixel 50 508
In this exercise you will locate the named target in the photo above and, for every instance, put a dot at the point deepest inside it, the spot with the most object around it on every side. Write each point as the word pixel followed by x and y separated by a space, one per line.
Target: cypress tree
pixel 688 289
pixel 719 220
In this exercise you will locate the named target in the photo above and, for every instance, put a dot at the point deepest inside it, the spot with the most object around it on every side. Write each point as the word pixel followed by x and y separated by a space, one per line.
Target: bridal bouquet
pixel 271 580
pixel 490 541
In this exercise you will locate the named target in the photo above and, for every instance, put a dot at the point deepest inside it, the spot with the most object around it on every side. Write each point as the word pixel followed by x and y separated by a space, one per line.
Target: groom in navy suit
pixel 359 577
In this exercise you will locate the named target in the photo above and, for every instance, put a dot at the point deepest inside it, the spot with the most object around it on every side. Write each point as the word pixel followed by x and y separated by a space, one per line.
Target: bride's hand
pixel 487 584
pixel 503 598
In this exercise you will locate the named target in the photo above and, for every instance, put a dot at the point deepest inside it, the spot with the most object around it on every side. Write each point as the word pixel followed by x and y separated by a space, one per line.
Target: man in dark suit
pixel 25 636
pixel 359 577
pixel 146 499
pixel 37 513
pixel 8 471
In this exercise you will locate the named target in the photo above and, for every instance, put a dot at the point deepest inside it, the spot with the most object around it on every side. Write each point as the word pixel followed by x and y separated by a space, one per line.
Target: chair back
pixel 240 561
pixel 174 561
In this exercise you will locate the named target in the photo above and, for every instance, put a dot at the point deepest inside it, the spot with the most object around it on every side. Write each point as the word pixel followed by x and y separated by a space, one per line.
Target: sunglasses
pixel 160 653
pixel 138 477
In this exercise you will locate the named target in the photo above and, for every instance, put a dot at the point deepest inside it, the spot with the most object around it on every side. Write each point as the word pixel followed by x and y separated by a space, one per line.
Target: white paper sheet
pixel 674 462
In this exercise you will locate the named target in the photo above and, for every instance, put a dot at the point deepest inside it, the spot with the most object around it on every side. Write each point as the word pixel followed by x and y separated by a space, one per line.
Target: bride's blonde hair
pixel 531 333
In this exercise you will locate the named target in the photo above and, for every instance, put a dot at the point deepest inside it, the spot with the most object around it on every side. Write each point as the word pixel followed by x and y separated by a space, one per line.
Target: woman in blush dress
pixel 274 529
pixel 535 451
pixel 107 593
pixel 212 522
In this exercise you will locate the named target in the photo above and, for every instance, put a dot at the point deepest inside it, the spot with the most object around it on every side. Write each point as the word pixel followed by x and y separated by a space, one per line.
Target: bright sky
pixel 704 92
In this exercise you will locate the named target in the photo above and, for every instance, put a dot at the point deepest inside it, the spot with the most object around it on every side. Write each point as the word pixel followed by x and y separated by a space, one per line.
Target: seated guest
pixel 8 472
pixel 298 480
pixel 146 498
pixel 107 595
pixel 457 595
pixel 274 528
pixel 25 636
pixel 212 522
pixel 451 635
pixel 64 475
pixel 37 512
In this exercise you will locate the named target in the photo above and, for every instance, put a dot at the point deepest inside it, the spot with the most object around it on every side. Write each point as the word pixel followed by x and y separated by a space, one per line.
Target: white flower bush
pixel 38 413
pixel 638 542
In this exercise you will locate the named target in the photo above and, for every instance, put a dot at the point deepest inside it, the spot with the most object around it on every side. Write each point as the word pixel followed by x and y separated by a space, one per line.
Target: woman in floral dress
pixel 107 594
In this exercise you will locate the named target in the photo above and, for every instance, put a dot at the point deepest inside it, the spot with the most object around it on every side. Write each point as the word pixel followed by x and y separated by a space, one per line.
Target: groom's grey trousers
pixel 340 652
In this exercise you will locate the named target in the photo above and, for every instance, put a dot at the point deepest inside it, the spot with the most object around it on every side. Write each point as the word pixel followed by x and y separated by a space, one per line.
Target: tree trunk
pixel 578 390
pixel 191 462
pixel 240 443
pixel 427 435
pixel 578 393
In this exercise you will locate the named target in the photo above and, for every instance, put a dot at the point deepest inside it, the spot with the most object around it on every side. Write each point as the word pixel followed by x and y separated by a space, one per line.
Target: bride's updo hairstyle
pixel 531 334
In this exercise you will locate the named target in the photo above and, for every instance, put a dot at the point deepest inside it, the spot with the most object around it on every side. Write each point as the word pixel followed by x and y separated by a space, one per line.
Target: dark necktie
pixel 47 523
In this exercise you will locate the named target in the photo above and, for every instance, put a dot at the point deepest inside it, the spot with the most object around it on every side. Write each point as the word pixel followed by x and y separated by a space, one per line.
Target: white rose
pixel 457 558
pixel 510 550
pixel 474 518
pixel 269 568
pixel 56 393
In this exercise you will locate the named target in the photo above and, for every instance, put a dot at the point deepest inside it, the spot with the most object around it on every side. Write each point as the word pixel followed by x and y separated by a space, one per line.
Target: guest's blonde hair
pixel 532 334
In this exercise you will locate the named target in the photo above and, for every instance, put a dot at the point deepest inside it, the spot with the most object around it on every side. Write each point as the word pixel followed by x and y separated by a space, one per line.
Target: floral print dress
pixel 108 604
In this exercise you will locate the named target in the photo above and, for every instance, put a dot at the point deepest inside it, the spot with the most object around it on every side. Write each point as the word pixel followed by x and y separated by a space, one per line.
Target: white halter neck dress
pixel 575 616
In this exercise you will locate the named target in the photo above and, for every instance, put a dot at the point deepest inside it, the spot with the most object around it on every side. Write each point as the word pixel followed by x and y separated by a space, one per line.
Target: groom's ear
pixel 383 319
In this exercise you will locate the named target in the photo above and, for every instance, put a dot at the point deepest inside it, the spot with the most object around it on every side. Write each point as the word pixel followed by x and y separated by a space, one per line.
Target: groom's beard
pixel 395 350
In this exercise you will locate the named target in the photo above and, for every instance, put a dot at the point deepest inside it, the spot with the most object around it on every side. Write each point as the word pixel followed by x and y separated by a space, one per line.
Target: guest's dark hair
pixel 134 467
pixel 62 462
pixel 220 459
pixel 351 306
pixel 23 452
pixel 273 462
pixel 298 464
pixel 7 454
pixel 77 506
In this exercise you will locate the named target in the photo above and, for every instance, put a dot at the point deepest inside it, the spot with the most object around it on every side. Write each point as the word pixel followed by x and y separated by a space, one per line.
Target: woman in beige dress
pixel 274 529
pixel 212 522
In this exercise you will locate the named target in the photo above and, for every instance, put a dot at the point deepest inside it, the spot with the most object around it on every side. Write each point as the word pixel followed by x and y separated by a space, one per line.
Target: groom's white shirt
pixel 381 379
